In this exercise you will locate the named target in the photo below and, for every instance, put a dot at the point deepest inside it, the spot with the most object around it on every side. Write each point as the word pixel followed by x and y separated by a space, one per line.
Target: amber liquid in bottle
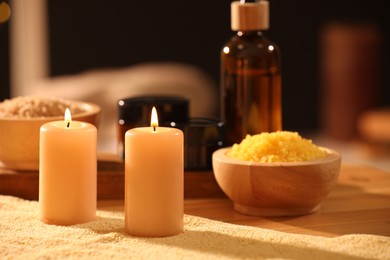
pixel 250 86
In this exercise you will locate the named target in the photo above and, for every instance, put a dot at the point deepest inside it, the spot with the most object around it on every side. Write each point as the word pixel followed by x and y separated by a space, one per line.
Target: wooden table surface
pixel 360 203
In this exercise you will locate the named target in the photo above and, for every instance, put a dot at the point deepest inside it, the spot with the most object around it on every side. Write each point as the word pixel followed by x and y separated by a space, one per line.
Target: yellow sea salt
pixel 280 146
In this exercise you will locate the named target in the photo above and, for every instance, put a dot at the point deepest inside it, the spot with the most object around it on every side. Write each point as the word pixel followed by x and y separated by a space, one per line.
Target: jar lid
pixel 137 110
pixel 249 15
pixel 202 136
pixel 204 131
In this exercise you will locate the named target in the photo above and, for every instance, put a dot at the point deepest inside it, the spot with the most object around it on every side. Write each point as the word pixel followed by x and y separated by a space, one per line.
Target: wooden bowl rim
pixel 220 155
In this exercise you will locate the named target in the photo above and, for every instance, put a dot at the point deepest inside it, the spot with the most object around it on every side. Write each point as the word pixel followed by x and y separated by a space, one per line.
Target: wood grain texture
pixel 359 203
pixel 110 182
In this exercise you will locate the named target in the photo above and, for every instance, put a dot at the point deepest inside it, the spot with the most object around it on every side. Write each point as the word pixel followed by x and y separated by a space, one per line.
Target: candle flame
pixel 68 117
pixel 154 119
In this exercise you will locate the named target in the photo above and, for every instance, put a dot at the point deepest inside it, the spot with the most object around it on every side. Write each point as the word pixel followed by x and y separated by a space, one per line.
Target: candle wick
pixel 154 128
pixel 67 125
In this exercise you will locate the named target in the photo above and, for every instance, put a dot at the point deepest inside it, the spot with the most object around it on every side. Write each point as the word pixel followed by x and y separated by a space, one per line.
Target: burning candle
pixel 154 192
pixel 67 172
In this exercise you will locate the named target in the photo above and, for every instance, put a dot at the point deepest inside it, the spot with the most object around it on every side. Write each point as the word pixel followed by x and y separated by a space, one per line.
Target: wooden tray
pixel 110 183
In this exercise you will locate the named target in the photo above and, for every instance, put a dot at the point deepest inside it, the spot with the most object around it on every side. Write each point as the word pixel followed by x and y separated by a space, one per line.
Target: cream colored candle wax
pixel 67 172
pixel 154 188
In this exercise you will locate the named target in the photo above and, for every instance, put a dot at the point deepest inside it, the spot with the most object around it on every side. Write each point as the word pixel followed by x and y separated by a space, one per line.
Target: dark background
pixel 88 34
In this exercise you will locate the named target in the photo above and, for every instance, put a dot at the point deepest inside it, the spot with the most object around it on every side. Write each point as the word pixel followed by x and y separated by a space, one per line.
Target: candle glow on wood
pixel 154 180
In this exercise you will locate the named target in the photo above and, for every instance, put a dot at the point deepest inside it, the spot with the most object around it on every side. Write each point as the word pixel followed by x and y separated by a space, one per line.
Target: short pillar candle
pixel 154 180
pixel 67 172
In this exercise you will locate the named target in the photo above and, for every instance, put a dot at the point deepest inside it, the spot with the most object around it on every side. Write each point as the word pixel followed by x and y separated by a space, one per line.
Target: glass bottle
pixel 250 75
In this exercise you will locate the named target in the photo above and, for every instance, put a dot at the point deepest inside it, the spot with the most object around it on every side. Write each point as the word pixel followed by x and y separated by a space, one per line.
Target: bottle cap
pixel 249 16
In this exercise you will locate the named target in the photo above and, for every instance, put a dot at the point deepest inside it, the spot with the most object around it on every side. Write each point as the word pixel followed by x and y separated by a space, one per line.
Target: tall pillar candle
pixel 154 180
pixel 67 172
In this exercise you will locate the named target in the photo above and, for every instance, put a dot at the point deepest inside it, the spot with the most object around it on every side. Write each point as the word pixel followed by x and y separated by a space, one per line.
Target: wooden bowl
pixel 19 142
pixel 276 189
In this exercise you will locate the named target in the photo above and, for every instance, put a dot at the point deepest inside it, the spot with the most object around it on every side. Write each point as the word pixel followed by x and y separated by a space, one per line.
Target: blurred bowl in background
pixel 374 125
pixel 19 137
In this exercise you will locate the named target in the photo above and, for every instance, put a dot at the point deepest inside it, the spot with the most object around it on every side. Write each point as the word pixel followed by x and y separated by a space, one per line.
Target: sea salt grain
pixel 36 107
